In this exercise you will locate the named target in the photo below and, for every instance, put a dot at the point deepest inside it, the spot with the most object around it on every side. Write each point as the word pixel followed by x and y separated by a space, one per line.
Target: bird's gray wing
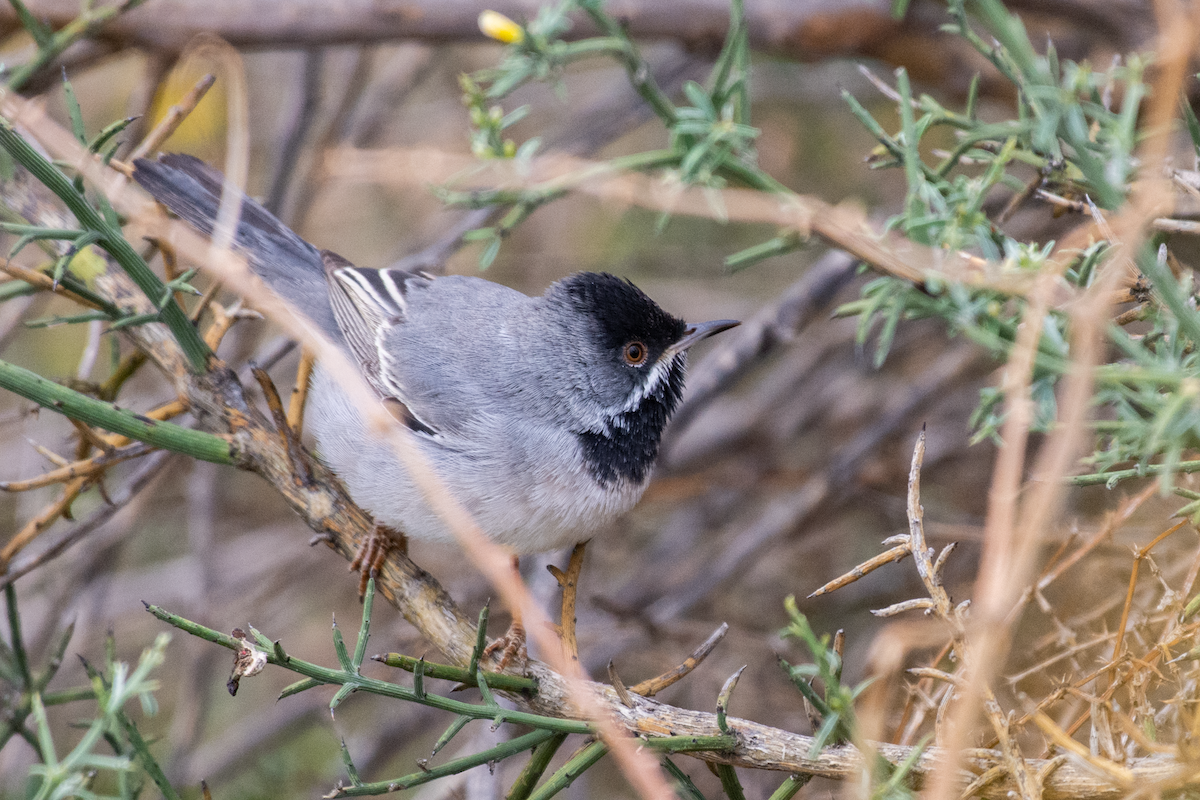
pixel 446 350
pixel 367 303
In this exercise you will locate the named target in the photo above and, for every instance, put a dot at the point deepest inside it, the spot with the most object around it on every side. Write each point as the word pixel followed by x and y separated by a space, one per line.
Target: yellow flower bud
pixel 499 27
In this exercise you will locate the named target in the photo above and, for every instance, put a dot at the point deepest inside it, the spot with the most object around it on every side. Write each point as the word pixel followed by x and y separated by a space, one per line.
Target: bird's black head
pixel 623 324
pixel 633 354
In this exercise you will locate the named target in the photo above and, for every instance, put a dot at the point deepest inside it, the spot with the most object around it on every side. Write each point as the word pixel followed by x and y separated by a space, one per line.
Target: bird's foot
pixel 373 551
pixel 511 645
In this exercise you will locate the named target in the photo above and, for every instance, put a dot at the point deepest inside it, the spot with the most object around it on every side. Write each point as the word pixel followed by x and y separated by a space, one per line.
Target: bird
pixel 541 415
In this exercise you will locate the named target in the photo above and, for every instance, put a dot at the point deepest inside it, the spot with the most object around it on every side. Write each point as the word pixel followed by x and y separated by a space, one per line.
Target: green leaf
pixel 700 99
pixel 50 322
pixel 118 247
pixel 42 34
pixel 449 734
pixel 73 109
pixel 344 691
pixel 489 253
pixel 110 130
pixel 62 400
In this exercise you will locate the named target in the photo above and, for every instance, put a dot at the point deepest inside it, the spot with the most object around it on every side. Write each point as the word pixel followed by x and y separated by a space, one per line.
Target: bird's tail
pixel 291 266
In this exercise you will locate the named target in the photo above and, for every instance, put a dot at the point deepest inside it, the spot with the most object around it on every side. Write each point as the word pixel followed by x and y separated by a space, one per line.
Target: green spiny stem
pixel 588 756
pixel 734 54
pixel 540 194
pixel 497 753
pixel 913 162
pixel 298 687
pixel 779 245
pixel 176 438
pixel 889 143
pixel 324 675
pixel 69 695
pixel 348 762
pixel 1135 472
pixel 186 334
pixel 49 47
pixel 40 32
pixel 723 700
pixel 38 232
pixel 335 677
pixel 639 72
pixel 485 691
pixel 73 319
pixel 364 629
pixel 61 641
pixel 806 689
pixel 419 679
pixel 70 282
pixel 730 783
pixel 109 131
pixel 578 764
pixel 344 691
pixel 141 751
pixel 689 744
pixel 787 790
pixel 567 52
pixel 16 288
pixel 1009 31
pixel 1167 287
pixel 454 729
pixel 683 784
pixel 446 672
pixel 16 641
pixel 339 648
pixel 538 762
pixel 753 177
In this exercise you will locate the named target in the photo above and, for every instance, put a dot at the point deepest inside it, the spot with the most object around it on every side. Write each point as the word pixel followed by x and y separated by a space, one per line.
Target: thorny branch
pixel 217 401
pixel 1031 778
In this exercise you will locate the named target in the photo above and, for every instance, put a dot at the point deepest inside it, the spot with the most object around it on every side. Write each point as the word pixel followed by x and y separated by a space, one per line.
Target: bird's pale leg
pixel 512 643
pixel 373 551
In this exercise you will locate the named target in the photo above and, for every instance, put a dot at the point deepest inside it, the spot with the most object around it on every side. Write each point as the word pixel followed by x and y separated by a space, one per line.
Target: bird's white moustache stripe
pixel 660 373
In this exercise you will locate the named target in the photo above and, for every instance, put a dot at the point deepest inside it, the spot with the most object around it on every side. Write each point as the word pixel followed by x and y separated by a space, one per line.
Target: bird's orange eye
pixel 635 354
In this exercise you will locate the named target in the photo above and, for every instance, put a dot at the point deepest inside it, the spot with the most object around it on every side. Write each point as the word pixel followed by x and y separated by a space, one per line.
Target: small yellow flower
pixel 499 27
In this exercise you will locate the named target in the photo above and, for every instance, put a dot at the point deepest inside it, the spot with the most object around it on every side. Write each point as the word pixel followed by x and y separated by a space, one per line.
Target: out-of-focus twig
pixel 79 468
pixel 783 514
pixel 844 227
pixel 303 118
pixel 1016 524
pixel 775 325
pixel 171 121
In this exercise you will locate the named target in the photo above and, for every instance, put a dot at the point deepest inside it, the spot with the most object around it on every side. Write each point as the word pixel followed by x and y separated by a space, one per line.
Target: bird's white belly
pixel 528 504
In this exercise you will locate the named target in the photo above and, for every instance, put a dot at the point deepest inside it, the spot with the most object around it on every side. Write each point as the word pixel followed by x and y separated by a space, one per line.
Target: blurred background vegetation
pixel 774 486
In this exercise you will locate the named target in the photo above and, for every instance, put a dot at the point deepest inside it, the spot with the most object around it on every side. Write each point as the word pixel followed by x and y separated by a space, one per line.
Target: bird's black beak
pixel 695 332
